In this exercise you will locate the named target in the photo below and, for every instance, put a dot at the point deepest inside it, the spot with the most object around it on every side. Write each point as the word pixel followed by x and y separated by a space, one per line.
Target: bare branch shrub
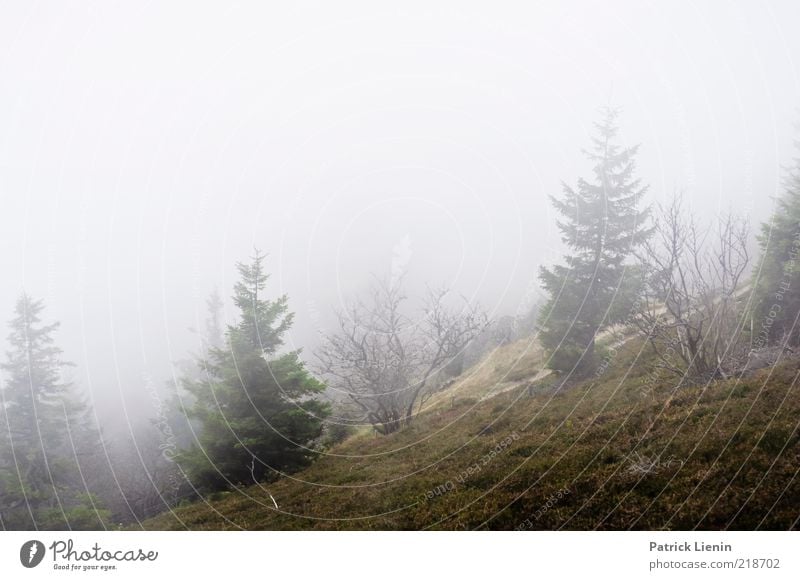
pixel 689 310
pixel 387 364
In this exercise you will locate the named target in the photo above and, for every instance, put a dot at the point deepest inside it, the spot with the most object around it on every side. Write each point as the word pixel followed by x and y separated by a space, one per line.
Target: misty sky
pixel 146 147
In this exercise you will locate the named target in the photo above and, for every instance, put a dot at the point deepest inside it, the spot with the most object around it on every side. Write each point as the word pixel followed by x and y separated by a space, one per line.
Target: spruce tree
pixel 46 433
pixel 777 278
pixel 257 408
pixel 601 224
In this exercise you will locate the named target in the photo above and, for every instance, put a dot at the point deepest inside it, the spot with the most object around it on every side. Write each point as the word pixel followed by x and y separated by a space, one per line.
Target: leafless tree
pixel 388 364
pixel 689 307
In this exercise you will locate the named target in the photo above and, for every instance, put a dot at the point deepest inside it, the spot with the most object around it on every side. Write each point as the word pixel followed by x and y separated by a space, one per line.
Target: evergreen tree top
pixel 33 358
pixel 34 370
pixel 262 322
pixel 601 218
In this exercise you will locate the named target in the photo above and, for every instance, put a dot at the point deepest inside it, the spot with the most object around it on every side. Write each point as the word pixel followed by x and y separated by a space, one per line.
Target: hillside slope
pixel 624 451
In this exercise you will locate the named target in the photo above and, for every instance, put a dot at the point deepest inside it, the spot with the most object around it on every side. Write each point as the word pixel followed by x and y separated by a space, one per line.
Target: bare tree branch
pixel 688 311
pixel 387 364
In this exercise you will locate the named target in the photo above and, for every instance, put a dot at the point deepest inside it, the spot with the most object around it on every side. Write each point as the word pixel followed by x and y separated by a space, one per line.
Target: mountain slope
pixel 625 450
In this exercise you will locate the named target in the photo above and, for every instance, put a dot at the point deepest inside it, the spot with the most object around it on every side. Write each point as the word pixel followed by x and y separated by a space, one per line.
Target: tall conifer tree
pixel 45 431
pixel 257 408
pixel 601 224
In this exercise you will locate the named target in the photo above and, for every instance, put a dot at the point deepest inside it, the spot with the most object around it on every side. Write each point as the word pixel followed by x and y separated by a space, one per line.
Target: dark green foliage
pixel 45 434
pixel 777 278
pixel 257 408
pixel 601 225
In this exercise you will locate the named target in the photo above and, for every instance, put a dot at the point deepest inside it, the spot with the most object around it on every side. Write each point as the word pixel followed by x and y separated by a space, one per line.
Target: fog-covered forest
pixel 529 267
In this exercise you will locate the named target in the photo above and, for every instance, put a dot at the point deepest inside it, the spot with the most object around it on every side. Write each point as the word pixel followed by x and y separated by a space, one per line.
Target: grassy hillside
pixel 626 450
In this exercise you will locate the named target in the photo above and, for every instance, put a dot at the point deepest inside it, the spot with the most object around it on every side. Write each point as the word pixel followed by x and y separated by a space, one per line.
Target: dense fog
pixel 147 148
